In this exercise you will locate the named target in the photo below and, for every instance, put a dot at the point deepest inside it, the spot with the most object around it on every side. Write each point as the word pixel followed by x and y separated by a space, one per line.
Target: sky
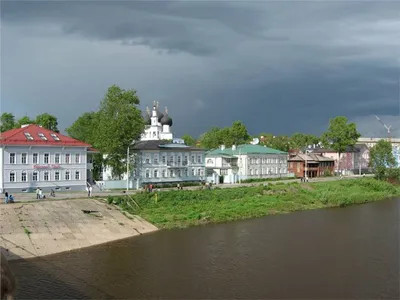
pixel 280 67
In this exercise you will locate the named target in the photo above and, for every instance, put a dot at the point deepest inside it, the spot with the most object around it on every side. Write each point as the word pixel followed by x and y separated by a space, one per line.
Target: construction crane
pixel 386 127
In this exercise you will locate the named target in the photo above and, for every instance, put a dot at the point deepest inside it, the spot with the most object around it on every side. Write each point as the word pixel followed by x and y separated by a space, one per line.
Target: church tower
pixel 157 124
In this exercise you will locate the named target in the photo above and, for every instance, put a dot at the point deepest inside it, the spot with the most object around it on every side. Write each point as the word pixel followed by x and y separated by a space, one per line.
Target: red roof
pixel 35 135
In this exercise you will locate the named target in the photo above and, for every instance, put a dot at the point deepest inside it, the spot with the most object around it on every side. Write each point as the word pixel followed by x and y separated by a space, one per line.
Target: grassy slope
pixel 188 208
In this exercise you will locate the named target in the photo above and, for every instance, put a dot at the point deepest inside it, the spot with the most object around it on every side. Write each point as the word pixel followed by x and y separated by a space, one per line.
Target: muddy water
pixel 331 253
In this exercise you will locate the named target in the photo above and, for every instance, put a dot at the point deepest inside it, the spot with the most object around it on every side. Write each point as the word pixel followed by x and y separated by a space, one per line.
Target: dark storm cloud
pixel 278 66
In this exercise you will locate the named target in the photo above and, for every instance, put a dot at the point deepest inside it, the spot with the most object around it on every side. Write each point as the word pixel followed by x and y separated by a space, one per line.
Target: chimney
pixel 222 147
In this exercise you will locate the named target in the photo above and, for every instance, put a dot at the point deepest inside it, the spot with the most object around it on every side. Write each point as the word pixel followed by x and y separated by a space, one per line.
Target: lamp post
pixel 127 165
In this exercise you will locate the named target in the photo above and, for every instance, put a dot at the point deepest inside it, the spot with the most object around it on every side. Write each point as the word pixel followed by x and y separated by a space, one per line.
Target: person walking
pixel 5 197
pixel 90 191
pixel 37 193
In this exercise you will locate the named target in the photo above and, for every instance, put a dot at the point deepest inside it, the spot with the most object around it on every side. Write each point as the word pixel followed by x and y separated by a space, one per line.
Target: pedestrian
pixel 90 191
pixel 40 193
pixel 37 193
pixel 5 197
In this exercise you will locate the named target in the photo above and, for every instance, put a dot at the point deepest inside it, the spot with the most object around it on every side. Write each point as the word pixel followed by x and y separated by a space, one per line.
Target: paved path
pixel 25 197
pixel 47 227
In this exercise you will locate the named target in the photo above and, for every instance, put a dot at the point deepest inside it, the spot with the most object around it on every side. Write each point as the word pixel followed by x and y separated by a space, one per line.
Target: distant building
pixel 159 157
pixel 231 165
pixel 311 165
pixel 32 157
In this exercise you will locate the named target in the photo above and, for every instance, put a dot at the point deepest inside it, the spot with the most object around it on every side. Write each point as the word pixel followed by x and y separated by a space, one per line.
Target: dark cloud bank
pixel 279 67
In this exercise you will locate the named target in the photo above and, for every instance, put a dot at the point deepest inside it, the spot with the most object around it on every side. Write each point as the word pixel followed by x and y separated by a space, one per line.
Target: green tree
pixel 23 121
pixel 47 121
pixel 7 121
pixel 211 139
pixel 84 128
pixel 239 134
pixel 340 136
pixel 119 123
pixel 189 140
pixel 382 159
pixel 301 140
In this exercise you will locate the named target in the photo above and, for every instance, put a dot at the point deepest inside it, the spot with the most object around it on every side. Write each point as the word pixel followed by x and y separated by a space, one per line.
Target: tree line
pixel 8 121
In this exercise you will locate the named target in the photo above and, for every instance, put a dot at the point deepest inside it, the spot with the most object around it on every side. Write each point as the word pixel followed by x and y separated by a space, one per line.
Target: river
pixel 338 253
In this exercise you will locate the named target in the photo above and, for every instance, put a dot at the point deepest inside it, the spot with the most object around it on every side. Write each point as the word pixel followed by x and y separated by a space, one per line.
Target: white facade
pixel 156 128
pixel 24 168
pixel 245 162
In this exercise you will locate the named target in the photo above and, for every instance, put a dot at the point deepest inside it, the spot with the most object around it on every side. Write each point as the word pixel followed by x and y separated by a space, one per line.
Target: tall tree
pixel 382 158
pixel 340 136
pixel 47 121
pixel 23 121
pixel 119 123
pixel 189 140
pixel 84 128
pixel 7 121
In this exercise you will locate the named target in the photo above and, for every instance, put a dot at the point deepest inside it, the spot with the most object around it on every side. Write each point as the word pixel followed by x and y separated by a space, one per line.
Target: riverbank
pixel 47 227
pixel 186 208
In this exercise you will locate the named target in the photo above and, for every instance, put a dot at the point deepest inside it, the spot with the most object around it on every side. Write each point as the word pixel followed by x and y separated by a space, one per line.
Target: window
pixel 77 175
pixel 199 159
pixel 251 171
pixel 57 176
pixel 41 135
pixel 155 173
pixel 147 174
pixel 179 173
pixel 171 159
pixel 179 159
pixel 77 158
pixel 12 176
pixel 67 175
pixel 185 160
pixel 147 160
pixel 57 158
pixel 171 173
pixel 199 172
pixel 23 176
pixel 164 173
pixel 156 159
pixel 12 158
pixel 23 158
pixel 193 161
pixel 55 137
pixel 35 158
pixel 35 176
pixel 186 172
pixel 193 172
pixel 46 176
pixel 46 158
pixel 164 159
pixel 28 136
pixel 67 158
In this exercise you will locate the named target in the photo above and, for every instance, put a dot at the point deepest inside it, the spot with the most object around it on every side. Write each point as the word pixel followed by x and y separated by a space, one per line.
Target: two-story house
pixel 32 157
pixel 231 165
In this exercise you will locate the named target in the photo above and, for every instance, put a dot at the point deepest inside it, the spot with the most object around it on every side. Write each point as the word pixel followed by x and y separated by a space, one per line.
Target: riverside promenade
pixel 39 228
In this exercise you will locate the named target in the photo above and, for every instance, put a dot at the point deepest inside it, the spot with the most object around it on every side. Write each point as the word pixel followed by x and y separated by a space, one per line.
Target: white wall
pixel 51 167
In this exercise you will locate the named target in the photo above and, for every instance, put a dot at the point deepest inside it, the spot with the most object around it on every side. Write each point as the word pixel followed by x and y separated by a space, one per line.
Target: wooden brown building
pixel 317 165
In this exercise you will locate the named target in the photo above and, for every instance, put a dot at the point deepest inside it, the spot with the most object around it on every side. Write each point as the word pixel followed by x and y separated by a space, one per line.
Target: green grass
pixel 188 208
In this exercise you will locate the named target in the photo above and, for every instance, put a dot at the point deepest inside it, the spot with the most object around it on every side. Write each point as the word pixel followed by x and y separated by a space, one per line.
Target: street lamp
pixel 127 165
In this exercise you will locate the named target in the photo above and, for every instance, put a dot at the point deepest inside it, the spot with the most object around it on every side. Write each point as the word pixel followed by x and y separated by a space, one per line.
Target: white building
pixel 231 165
pixel 158 157
pixel 32 157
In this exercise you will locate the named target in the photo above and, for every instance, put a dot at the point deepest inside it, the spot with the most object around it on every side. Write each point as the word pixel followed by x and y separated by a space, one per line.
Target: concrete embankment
pixel 47 227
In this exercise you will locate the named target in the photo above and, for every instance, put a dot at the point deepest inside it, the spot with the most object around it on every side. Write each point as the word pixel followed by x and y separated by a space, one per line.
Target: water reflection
pixel 334 253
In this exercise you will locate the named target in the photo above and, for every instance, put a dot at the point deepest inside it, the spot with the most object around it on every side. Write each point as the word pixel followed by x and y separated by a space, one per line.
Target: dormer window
pixel 28 136
pixel 54 136
pixel 42 136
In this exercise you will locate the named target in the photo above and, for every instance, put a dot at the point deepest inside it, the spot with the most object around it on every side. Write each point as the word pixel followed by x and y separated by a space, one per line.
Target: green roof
pixel 244 149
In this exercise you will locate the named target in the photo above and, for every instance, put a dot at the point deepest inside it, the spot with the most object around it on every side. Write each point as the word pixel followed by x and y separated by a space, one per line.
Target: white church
pixel 159 158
